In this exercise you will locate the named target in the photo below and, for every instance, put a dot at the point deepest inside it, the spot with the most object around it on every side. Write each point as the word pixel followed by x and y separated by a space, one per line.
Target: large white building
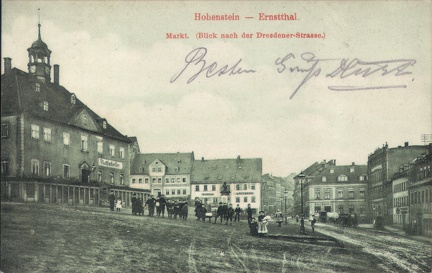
pixel 242 177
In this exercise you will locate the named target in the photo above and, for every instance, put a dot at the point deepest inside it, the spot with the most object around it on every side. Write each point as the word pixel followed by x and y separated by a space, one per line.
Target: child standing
pixel 119 204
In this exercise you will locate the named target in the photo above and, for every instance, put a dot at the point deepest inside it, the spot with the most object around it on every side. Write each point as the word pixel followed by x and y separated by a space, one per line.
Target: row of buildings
pixel 395 184
pixel 54 148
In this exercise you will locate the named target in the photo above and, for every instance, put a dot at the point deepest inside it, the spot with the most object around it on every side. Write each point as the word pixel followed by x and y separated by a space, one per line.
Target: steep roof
pixel 18 96
pixel 182 161
pixel 332 177
pixel 227 170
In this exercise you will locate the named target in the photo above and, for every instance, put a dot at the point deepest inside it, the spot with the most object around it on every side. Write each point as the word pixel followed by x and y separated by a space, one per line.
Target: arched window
pixel 342 177
pixel 324 179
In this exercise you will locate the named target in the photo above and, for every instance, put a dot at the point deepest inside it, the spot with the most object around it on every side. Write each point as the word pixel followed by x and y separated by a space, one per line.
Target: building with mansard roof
pixel 48 135
pixel 163 173
pixel 241 176
pixel 331 188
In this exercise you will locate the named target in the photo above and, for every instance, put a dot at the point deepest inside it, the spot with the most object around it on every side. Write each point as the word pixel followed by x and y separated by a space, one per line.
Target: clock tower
pixel 39 59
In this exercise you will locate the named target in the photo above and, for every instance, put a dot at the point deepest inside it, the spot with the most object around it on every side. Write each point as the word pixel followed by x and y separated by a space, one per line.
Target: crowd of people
pixel 225 213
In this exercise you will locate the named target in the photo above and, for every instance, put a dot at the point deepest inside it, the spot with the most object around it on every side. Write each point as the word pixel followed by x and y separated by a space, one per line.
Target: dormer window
pixel 352 170
pixel 37 87
pixel 104 124
pixel 331 170
pixel 73 99
pixel 324 179
pixel 45 106
pixel 342 178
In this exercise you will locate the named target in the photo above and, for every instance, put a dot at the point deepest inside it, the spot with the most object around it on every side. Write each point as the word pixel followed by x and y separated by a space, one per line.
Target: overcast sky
pixel 115 57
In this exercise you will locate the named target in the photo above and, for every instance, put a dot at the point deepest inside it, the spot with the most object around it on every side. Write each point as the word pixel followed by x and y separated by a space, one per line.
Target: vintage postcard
pixel 289 83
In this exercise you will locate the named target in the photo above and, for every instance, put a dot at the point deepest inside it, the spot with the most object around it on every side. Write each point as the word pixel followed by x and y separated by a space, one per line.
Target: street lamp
pixel 301 176
pixel 285 210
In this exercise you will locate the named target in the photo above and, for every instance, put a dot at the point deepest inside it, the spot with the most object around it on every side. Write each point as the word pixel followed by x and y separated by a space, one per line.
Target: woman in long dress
pixel 262 224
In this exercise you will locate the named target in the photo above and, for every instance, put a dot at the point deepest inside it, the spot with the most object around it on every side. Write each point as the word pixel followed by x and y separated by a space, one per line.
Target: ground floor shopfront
pixel 53 193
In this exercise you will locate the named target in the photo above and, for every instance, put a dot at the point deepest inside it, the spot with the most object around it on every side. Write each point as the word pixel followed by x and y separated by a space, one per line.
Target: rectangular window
pixel 253 187
pixel 45 106
pixel 146 180
pixel 178 192
pixel 159 169
pixel 99 141
pixel 47 168
pixel 153 180
pixel 111 177
pixel 245 199
pixel 237 187
pixel 35 166
pixel 213 187
pixel 184 191
pixel 362 209
pixel 317 194
pixel 133 181
pixel 253 199
pixel 159 180
pixel 121 179
pixel 99 176
pixel 362 194
pixel 35 131
pixel 122 152
pixel 140 180
pixel 84 143
pixel 327 194
pixel 66 139
pixel 197 188
pixel 37 87
pixel 205 188
pixel 237 199
pixel 184 180
pixel 340 194
pixel 167 192
pixel 47 134
pixel 154 169
pixel 5 167
pixel 173 192
pixel 5 130
pixel 245 187
pixel 178 179
pixel 351 194
pixel 172 180
pixel 166 180
pixel 112 150
pixel 66 172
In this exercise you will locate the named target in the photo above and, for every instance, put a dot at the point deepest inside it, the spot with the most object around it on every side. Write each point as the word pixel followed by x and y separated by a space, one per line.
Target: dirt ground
pixel 52 238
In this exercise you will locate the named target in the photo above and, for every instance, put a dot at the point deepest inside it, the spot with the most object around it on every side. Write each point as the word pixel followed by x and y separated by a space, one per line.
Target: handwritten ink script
pixel 196 58
pixel 345 68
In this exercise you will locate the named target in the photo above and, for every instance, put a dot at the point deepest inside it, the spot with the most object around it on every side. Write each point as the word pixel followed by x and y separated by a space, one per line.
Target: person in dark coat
pixel 198 205
pixel 170 208
pixel 134 201
pixel 111 199
pixel 313 223
pixel 151 205
pixel 229 214
pixel 237 211
pixel 219 213
pixel 176 209
pixel 253 227
pixel 140 208
pixel 249 213
pixel 225 210
pixel 162 201
pixel 184 211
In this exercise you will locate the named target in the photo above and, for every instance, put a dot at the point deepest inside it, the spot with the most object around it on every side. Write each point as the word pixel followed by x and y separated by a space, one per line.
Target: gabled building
pixel 242 176
pixel 163 173
pixel 50 136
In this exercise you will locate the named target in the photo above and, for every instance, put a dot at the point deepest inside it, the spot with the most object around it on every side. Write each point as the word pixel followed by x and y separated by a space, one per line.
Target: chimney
pixel 57 74
pixel 353 164
pixel 334 162
pixel 406 144
pixel 202 159
pixel 238 157
pixel 7 65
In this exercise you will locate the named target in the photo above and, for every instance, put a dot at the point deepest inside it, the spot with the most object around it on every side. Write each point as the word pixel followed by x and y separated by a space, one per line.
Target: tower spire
pixel 39 25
